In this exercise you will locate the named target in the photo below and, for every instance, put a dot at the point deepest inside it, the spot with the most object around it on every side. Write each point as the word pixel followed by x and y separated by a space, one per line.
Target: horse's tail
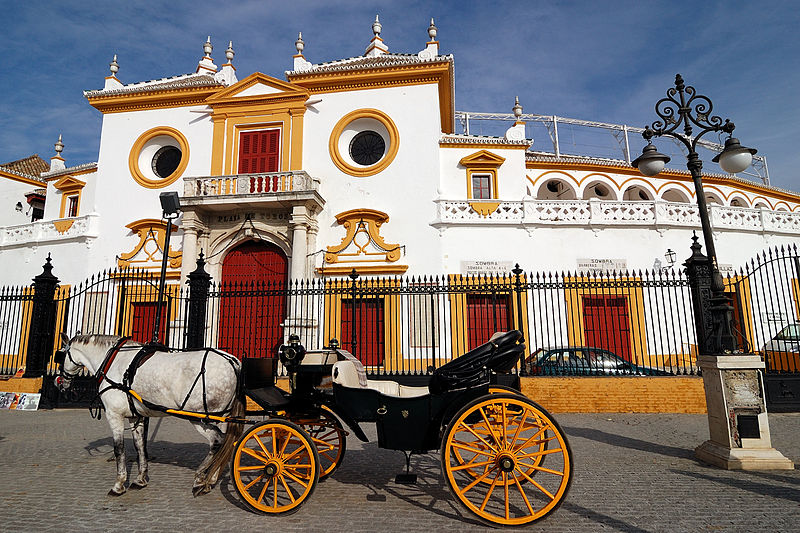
pixel 223 455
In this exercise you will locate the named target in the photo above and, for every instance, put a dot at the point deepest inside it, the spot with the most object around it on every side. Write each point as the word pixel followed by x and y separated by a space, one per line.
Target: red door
pixel 258 151
pixel 605 323
pixel 486 315
pixel 144 321
pixel 368 330
pixel 253 300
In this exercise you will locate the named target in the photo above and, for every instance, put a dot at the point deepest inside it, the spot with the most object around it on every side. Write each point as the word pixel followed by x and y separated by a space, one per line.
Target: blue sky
pixel 607 61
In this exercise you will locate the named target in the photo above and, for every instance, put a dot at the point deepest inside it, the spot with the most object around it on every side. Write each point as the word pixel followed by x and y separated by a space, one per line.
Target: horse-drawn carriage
pixel 504 457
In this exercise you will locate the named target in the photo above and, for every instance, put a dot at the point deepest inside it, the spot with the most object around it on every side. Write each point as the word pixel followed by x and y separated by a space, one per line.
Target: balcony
pixel 276 189
pixel 51 231
pixel 596 214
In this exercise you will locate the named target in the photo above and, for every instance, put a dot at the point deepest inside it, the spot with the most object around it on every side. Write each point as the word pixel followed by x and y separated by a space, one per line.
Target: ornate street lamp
pixel 685 109
pixel 171 206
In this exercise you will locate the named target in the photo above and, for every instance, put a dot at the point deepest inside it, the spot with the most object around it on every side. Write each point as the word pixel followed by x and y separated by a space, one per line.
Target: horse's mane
pixel 96 339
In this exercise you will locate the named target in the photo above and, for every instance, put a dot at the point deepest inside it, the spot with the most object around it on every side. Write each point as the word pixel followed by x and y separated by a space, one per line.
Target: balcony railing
pixel 248 184
pixel 43 231
pixel 604 213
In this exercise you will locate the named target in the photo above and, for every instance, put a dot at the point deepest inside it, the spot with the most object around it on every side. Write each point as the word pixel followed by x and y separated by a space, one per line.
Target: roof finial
pixel 299 44
pixel 229 53
pixel 114 66
pixel 208 47
pixel 517 108
pixel 376 26
pixel 59 145
pixel 432 30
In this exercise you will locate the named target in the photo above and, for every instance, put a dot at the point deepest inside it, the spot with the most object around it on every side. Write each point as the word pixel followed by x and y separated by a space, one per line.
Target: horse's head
pixel 68 368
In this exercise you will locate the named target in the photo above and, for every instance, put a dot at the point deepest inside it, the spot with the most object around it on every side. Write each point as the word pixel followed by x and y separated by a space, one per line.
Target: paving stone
pixel 633 473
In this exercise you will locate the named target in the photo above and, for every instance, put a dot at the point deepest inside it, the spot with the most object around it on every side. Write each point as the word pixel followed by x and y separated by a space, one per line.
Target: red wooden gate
pixel 605 323
pixel 253 300
pixel 259 151
pixel 370 344
pixel 143 321
pixel 486 315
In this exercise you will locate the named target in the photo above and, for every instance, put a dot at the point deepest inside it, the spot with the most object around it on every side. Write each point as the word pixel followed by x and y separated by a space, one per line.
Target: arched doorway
pixel 252 300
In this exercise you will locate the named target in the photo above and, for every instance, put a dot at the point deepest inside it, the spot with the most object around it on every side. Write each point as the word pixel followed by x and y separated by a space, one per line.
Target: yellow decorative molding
pixel 118 103
pixel 482 162
pixel 484 208
pixel 62 226
pixel 362 269
pixel 362 242
pixel 133 157
pixel 482 159
pixel 69 187
pixel 439 73
pixel 388 157
pixel 152 234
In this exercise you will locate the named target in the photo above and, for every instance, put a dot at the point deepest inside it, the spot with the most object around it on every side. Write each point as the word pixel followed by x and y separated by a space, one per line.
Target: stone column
pixel 299 223
pixel 191 226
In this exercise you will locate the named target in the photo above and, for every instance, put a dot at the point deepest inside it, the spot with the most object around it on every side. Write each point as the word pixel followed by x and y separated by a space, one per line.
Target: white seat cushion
pixel 346 374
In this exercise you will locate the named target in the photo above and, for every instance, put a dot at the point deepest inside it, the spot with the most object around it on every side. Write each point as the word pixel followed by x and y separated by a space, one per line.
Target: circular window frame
pixel 136 151
pixel 342 162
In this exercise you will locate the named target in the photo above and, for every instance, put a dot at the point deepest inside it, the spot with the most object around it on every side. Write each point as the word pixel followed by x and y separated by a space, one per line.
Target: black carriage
pixel 503 456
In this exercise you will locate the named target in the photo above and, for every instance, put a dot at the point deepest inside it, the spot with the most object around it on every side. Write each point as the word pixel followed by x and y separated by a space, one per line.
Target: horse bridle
pixel 60 358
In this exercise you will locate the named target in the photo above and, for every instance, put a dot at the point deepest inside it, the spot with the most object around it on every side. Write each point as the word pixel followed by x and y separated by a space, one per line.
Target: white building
pixel 355 163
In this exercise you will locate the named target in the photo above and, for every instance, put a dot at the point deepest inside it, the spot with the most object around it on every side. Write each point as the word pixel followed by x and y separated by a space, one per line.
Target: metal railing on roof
pixel 758 170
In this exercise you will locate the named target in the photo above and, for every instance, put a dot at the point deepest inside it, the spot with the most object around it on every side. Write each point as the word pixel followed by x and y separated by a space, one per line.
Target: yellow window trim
pixel 368 222
pixel 149 230
pixel 459 326
pixel 347 168
pixel 133 157
pixel 69 187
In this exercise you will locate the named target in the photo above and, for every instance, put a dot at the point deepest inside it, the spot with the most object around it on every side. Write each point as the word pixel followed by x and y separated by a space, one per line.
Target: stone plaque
pixel 743 389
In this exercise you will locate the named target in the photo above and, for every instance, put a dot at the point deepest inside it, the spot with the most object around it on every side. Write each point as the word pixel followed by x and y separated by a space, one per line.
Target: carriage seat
pixel 350 374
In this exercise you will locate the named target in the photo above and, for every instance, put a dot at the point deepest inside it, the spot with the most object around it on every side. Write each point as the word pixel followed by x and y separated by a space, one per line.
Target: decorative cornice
pixel 158 99
pixel 478 141
pixel 85 168
pixel 21 177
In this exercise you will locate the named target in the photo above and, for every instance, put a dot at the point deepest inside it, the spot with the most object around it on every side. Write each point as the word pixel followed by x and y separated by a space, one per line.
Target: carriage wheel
pixel 481 428
pixel 330 439
pixel 275 467
pixel 491 459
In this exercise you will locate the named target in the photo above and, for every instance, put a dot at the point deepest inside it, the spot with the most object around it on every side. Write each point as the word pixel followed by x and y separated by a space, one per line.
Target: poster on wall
pixel 486 267
pixel 20 401
pixel 601 266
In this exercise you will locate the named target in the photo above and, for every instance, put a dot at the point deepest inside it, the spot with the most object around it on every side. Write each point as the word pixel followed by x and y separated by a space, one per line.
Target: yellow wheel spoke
pixel 524 497
pixel 475 482
pixel 489 446
pixel 261 444
pixel 505 488
pixel 263 491
pixel 532 437
pixel 286 488
pixel 325 454
pixel 250 468
pixel 256 480
pixel 519 428
pixel 296 479
pixel 503 413
pixel 488 425
pixel 469 466
pixel 274 443
pixel 541 469
pixel 298 450
pixel 540 453
pixel 470 449
pixel 275 492
pixel 489 492
pixel 256 455
pixel 285 444
pixel 537 485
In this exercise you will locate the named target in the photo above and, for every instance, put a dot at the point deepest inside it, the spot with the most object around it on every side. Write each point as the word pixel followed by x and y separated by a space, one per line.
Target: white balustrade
pixel 246 184
pixel 598 213
pixel 83 227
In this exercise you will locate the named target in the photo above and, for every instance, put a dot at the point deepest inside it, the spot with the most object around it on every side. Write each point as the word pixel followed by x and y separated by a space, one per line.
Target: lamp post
pixel 171 206
pixel 737 413
pixel 680 113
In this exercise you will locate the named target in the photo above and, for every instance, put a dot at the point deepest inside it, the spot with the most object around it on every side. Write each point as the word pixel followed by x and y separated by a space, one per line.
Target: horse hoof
pixel 199 490
pixel 113 492
pixel 137 486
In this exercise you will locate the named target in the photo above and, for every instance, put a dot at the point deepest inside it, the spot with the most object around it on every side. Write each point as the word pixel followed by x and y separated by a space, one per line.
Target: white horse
pixel 204 381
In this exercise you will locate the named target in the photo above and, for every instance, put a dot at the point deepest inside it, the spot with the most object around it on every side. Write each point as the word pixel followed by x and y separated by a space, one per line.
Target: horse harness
pixel 145 353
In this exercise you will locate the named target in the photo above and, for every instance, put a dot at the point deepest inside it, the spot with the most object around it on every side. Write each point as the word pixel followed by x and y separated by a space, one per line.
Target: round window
pixel 166 161
pixel 367 148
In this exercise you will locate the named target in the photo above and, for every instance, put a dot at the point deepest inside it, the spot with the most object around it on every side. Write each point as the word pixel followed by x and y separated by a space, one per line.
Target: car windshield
pixel 789 333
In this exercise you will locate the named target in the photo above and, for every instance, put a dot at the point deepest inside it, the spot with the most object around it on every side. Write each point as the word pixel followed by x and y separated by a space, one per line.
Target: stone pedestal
pixel 737 415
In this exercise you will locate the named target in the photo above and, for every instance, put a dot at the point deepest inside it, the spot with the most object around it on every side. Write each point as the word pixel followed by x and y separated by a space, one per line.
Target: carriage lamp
pixel 669 255
pixel 333 344
pixel 18 207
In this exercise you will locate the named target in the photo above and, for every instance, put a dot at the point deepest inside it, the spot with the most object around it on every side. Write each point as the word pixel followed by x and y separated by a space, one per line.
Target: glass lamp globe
pixel 651 162
pixel 735 157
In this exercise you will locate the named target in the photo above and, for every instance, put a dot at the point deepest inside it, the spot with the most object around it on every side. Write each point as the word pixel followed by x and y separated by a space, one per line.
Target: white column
pixel 299 223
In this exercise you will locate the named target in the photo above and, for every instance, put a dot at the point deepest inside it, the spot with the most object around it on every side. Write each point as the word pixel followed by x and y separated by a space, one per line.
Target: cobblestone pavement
pixel 632 473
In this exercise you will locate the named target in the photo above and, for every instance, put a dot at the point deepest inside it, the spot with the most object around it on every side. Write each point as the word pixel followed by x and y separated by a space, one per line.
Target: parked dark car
pixel 584 361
